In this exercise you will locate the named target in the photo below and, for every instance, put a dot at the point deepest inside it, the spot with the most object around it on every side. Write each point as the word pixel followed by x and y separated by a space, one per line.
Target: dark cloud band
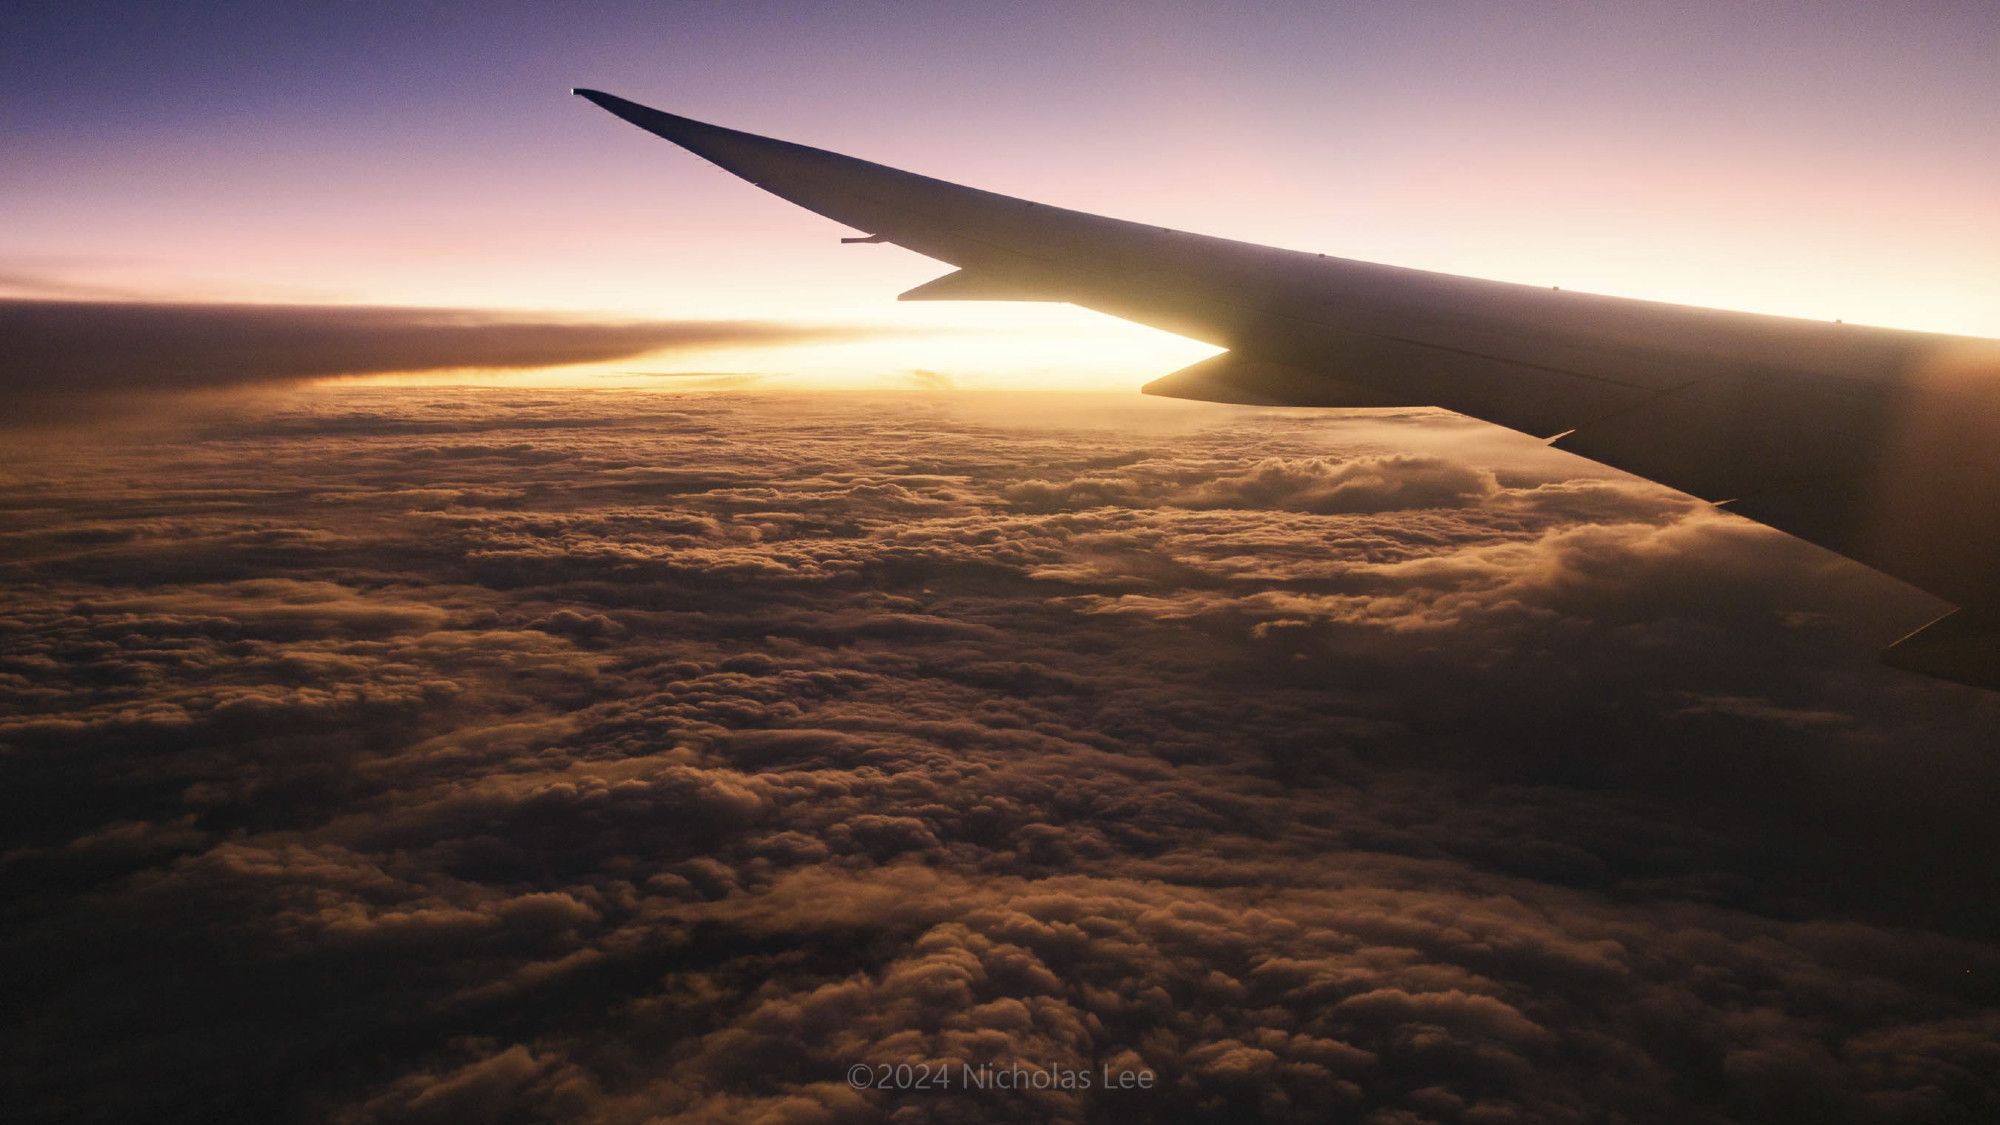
pixel 57 355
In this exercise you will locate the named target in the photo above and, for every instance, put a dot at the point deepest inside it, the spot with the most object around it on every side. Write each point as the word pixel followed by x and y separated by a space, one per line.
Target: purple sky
pixel 1825 160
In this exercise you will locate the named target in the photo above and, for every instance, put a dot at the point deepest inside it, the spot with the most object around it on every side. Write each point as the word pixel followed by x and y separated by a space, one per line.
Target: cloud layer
pixel 60 356
pixel 455 756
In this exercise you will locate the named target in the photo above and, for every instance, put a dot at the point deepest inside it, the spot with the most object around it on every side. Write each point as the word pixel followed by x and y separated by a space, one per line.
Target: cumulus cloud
pixel 422 756
pixel 1359 484
pixel 1319 485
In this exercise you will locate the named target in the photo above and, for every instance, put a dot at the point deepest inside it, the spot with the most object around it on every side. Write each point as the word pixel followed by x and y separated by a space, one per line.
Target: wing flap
pixel 1961 646
pixel 1254 382
pixel 1730 437
pixel 978 285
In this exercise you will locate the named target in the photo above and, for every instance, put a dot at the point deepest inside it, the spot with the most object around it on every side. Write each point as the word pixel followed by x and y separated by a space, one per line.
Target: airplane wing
pixel 1882 445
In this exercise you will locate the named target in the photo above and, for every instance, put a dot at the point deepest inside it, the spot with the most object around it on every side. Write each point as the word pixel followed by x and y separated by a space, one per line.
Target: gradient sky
pixel 1814 159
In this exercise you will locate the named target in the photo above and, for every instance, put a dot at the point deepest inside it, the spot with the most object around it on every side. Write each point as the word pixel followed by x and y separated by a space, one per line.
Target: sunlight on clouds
pixel 1042 347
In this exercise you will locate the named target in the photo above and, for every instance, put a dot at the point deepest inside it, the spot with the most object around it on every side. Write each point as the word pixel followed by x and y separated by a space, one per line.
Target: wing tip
pixel 683 131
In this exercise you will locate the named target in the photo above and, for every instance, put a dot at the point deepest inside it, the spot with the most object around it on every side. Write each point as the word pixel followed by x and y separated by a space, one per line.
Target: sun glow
pixel 1013 347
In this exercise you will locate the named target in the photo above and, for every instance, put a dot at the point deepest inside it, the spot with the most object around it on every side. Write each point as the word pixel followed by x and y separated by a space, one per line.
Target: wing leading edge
pixel 1880 444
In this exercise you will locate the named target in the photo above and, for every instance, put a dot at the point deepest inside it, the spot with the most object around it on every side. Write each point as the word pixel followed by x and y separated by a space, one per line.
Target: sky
pixel 1822 160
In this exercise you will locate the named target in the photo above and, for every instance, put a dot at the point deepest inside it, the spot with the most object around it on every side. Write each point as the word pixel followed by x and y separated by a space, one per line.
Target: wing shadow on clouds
pixel 62 359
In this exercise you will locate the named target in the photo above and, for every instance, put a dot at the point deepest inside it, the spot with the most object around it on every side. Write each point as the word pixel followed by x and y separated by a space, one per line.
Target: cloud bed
pixel 502 756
